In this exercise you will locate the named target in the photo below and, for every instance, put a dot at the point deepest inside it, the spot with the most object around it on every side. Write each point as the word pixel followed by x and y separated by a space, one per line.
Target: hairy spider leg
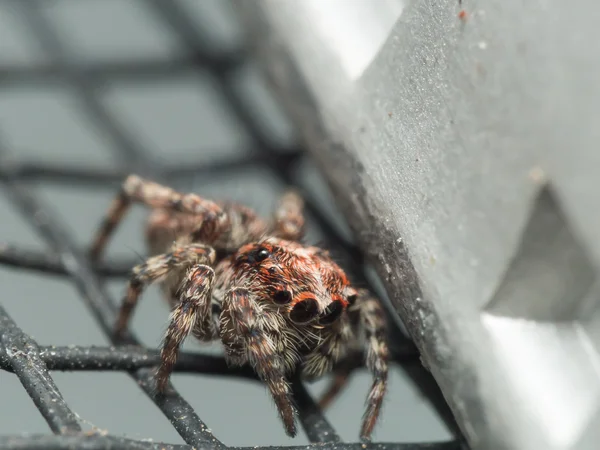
pixel 192 311
pixel 372 321
pixel 154 195
pixel 289 222
pixel 245 334
pixel 157 268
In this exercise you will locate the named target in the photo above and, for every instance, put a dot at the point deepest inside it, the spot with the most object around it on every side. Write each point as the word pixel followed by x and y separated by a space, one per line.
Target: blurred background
pixel 114 86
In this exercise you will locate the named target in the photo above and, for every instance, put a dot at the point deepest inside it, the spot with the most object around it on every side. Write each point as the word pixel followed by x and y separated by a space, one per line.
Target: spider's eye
pixel 331 313
pixel 282 297
pixel 351 299
pixel 304 311
pixel 259 255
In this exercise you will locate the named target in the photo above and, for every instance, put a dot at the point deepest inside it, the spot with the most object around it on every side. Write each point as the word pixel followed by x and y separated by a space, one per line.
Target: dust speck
pixel 537 175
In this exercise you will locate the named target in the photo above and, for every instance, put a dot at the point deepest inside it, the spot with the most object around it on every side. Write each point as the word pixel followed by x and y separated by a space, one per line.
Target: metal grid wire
pixel 32 363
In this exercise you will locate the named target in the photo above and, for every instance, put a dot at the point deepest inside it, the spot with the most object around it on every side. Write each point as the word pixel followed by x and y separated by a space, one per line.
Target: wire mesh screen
pixel 113 105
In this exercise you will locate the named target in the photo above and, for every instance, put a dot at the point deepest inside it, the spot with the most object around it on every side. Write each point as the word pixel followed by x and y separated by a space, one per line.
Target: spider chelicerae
pixel 279 305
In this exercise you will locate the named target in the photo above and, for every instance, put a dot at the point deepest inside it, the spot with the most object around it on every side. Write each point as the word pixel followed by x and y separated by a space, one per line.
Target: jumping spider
pixel 274 302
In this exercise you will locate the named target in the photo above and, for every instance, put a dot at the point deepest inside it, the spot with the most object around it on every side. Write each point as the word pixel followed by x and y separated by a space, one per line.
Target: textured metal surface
pixel 90 92
pixel 464 151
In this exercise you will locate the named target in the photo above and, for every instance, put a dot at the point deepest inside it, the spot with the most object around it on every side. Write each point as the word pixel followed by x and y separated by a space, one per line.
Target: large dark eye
pixel 304 311
pixel 282 297
pixel 351 299
pixel 331 313
pixel 258 255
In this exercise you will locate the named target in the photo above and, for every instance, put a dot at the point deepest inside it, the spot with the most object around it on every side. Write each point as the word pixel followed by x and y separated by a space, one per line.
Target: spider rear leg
pixel 289 218
pixel 156 268
pixel 246 336
pixel 336 386
pixel 372 320
pixel 192 312
pixel 113 217
pixel 154 195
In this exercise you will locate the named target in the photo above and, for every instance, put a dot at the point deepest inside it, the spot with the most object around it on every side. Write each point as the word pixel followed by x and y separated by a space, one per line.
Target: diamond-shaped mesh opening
pixel 539 321
pixel 179 102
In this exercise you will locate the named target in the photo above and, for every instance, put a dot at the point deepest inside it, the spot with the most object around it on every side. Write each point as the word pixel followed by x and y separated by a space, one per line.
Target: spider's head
pixel 303 281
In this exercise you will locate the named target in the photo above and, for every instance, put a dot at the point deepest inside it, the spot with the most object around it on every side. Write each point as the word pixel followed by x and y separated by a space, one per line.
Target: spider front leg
pixel 157 268
pixel 372 321
pixel 193 312
pixel 249 335
pixel 154 195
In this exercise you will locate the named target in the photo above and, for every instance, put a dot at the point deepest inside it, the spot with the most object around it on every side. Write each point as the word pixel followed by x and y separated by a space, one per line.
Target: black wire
pixel 139 71
pixel 22 353
pixel 100 442
pixel 51 263
pixel 102 177
pixel 317 427
pixel 129 358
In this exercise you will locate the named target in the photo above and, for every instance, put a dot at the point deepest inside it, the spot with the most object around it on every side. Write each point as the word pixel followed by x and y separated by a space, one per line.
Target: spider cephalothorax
pixel 299 281
pixel 273 302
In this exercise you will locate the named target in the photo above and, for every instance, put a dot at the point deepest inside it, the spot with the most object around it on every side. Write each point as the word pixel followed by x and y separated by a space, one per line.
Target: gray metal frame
pixel 463 148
